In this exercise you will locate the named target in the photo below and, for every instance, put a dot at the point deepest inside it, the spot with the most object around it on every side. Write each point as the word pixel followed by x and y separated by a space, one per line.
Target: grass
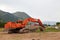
pixel 38 30
pixel 52 30
pixel 1 29
pixel 49 29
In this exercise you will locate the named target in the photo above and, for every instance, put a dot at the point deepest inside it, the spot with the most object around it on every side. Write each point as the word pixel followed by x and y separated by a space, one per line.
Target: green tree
pixel 58 23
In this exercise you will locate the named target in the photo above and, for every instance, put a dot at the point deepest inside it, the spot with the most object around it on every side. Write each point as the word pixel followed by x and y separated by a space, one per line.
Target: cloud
pixel 6 8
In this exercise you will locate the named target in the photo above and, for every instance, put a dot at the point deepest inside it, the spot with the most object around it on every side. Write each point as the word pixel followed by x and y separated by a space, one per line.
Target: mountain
pixel 21 15
pixel 9 17
pixel 6 16
pixel 2 13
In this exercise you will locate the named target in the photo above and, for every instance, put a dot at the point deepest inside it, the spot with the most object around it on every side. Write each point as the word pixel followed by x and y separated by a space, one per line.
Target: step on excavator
pixel 20 26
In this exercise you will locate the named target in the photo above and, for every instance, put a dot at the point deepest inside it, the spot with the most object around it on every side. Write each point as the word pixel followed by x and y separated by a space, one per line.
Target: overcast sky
pixel 46 10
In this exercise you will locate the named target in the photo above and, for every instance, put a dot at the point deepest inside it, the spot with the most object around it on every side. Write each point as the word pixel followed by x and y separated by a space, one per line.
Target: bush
pixel 2 25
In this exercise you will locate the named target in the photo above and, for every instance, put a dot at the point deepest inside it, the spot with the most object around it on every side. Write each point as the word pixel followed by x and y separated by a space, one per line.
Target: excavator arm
pixel 33 20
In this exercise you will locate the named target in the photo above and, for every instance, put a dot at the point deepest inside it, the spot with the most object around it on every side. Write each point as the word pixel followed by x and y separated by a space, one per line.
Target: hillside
pixel 21 15
pixel 6 16
pixel 9 17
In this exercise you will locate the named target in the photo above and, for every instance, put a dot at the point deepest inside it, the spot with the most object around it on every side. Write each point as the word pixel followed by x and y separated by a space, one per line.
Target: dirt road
pixel 31 36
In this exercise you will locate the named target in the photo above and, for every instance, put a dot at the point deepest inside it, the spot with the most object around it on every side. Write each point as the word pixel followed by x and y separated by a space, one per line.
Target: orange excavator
pixel 17 26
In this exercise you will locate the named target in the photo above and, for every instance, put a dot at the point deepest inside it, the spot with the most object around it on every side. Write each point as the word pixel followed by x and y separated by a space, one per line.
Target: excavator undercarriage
pixel 24 30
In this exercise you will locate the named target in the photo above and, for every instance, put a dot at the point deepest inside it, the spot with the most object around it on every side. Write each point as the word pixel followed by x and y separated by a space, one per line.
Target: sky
pixel 45 10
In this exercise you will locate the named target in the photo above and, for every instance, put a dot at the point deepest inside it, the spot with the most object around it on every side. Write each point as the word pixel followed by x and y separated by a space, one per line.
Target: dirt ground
pixel 31 36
